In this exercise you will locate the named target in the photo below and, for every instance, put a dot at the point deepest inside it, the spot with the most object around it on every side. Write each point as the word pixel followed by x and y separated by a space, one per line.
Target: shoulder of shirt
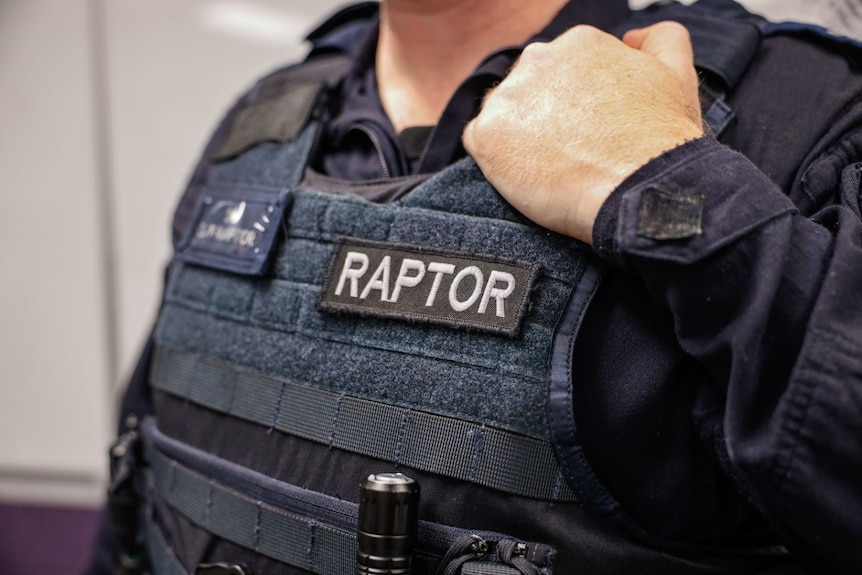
pixel 843 46
pixel 332 43
pixel 721 27
pixel 341 21
pixel 294 89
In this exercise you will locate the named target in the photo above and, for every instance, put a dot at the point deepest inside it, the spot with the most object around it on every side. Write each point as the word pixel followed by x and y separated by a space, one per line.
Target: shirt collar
pixel 354 31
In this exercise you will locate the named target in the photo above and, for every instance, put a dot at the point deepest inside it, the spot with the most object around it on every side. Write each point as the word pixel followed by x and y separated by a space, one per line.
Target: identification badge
pixel 235 228
pixel 414 283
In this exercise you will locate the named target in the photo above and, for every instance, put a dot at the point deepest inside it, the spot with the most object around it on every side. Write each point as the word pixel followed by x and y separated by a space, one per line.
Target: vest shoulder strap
pixel 277 108
pixel 724 35
pixel 281 104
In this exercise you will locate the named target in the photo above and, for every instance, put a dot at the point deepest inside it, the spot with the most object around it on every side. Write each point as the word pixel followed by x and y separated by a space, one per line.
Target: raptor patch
pixel 414 283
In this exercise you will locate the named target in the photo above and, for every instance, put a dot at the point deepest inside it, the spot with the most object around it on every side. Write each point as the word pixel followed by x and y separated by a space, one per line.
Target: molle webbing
pixel 273 325
pixel 263 528
pixel 283 522
pixel 491 457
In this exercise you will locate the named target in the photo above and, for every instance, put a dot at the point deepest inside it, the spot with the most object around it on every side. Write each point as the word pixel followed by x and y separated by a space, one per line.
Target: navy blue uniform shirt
pixel 719 396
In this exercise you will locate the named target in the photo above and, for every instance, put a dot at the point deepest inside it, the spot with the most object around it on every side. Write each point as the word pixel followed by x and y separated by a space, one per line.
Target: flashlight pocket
pixel 296 526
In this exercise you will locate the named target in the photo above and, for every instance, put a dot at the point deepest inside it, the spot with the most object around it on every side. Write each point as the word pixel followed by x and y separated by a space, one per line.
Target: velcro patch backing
pixel 235 228
pixel 414 283
pixel 668 216
pixel 277 119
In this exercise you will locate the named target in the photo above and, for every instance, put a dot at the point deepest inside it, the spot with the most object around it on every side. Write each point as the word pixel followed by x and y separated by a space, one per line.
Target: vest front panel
pixel 254 370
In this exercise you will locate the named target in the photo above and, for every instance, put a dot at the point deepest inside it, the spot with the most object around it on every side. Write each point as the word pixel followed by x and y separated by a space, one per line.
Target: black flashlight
pixel 388 516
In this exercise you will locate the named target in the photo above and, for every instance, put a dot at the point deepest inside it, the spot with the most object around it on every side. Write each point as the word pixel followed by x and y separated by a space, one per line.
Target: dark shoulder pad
pixel 280 105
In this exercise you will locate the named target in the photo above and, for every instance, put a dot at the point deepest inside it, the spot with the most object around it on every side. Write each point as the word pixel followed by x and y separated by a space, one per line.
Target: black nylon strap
pixel 487 456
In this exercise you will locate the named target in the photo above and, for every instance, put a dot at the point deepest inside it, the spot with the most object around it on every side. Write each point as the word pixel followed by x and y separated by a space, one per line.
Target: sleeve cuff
pixel 684 205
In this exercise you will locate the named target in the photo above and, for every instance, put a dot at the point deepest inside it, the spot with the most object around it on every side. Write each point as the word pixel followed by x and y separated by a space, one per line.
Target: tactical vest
pixel 309 338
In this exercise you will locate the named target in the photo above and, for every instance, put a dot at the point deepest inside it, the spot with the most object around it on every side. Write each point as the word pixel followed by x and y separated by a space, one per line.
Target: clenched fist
pixel 578 115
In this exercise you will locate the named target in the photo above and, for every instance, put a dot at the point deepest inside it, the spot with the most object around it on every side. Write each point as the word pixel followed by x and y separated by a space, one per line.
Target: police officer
pixel 663 374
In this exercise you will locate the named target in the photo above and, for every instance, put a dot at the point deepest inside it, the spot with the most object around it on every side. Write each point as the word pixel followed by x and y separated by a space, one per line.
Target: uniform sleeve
pixel 770 302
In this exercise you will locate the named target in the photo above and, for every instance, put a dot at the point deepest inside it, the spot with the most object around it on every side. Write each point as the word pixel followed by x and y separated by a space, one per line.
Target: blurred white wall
pixel 104 107
pixel 173 68
pixel 840 16
pixel 53 284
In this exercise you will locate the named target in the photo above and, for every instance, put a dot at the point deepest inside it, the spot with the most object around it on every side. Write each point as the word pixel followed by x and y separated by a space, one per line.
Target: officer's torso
pixel 310 337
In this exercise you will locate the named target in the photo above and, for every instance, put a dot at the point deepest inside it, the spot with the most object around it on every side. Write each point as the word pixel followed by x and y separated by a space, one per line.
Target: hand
pixel 577 116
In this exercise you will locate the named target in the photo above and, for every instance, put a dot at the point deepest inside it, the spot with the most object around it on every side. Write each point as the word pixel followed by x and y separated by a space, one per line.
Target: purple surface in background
pixel 37 540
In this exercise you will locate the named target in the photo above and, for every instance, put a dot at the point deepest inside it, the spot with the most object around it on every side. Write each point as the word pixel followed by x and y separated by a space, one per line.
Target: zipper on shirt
pixel 375 141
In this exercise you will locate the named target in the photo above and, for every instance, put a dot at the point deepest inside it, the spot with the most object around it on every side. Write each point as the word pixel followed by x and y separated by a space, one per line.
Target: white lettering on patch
pixel 497 294
pixel 351 273
pixel 469 280
pixel 438 270
pixel 456 283
pixel 379 281
pixel 404 278
pixel 226 234
pixel 422 284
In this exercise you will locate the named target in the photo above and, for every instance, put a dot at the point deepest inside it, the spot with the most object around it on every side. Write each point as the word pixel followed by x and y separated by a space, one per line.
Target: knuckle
pixel 675 28
pixel 533 50
pixel 584 32
pixel 477 130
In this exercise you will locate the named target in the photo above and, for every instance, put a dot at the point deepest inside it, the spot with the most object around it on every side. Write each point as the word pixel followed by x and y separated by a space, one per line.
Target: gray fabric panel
pixel 322 218
pixel 214 384
pixel 282 536
pixel 302 261
pixel 272 325
pixel 484 394
pixel 459 449
pixel 228 509
pixel 445 192
pixel 279 304
pixel 489 388
pixel 233 294
pixel 192 284
pixel 487 236
pixel 288 308
pixel 307 412
pixel 256 399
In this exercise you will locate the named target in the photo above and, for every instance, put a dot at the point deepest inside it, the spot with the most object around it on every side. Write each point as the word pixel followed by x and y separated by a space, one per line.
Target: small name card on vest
pixel 414 283
pixel 235 228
